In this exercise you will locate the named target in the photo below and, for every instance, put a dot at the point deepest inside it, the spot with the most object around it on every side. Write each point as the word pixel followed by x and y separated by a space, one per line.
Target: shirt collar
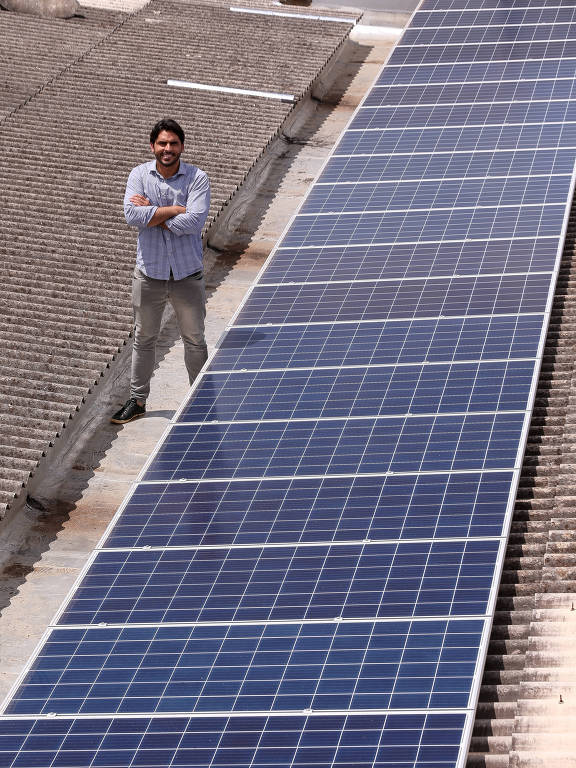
pixel 152 169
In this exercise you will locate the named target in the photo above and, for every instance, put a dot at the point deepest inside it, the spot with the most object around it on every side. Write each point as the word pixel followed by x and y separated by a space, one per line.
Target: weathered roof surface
pixel 65 251
pixel 275 6
pixel 49 45
pixel 522 718
pixel 269 6
pixel 217 47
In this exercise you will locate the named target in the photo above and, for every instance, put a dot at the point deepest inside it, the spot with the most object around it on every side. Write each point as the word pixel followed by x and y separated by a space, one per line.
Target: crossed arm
pixel 179 219
pixel 161 214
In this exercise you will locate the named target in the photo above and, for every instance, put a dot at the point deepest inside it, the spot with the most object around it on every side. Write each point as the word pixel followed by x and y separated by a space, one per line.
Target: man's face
pixel 167 149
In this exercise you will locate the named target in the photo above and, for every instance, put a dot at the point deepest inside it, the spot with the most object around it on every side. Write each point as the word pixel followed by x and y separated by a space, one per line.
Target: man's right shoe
pixel 129 411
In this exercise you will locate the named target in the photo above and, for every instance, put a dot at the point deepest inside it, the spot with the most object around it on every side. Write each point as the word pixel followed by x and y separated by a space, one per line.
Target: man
pixel 167 200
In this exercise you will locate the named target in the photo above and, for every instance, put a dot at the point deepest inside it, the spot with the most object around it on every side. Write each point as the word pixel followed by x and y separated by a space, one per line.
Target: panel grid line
pixel 486 42
pixel 318 536
pixel 474 82
pixel 270 622
pixel 420 105
pixel 426 242
pixel 429 210
pixel 478 361
pixel 415 473
pixel 498 26
pixel 412 181
pixel 320 419
pixel 55 717
pixel 491 8
pixel 463 125
pixel 391 65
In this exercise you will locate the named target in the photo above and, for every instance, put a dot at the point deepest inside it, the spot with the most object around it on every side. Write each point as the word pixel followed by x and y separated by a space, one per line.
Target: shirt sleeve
pixel 137 215
pixel 197 207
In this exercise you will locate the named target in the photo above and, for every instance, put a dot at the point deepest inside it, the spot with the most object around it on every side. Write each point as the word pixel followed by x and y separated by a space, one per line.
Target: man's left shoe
pixel 129 411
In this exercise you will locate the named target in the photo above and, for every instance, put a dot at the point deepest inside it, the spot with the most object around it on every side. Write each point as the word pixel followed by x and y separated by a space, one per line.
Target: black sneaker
pixel 129 411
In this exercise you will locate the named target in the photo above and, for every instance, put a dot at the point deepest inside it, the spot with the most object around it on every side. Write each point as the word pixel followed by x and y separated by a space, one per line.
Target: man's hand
pixel 139 200
pixel 161 214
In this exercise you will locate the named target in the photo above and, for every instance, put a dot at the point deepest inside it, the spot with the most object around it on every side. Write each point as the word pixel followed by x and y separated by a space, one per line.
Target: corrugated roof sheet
pixel 316 9
pixel 50 46
pixel 66 253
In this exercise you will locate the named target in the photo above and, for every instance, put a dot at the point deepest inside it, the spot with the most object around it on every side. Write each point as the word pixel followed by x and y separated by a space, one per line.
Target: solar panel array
pixel 306 572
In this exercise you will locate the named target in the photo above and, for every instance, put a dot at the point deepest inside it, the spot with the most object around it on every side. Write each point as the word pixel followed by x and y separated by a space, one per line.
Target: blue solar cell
pixel 468 5
pixel 494 4
pixel 502 15
pixel 356 446
pixel 493 70
pixel 287 583
pixel 465 93
pixel 443 115
pixel 401 261
pixel 503 50
pixel 374 343
pixel 424 194
pixel 388 300
pixel 504 33
pixel 442 165
pixel 412 226
pixel 460 139
pixel 314 510
pixel 419 740
pixel 343 393
pixel 254 668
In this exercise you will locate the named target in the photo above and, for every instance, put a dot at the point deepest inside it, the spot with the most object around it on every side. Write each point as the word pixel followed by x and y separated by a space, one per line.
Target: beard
pixel 167 159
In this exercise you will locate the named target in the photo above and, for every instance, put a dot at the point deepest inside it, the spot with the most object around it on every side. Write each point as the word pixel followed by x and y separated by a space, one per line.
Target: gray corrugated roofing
pixel 66 253
pixel 238 50
pixel 317 9
pixel 49 45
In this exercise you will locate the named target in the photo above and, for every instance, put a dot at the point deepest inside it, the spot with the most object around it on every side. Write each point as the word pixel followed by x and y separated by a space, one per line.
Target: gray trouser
pixel 149 297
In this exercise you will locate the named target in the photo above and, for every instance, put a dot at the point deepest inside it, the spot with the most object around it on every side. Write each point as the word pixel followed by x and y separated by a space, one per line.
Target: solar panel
pixel 472 15
pixel 468 93
pixel 243 668
pixel 387 262
pixel 335 446
pixel 474 5
pixel 388 300
pixel 491 70
pixel 362 392
pixel 414 226
pixel 370 165
pixel 490 33
pixel 546 47
pixel 454 193
pixel 381 580
pixel 425 739
pixel 379 342
pixel 328 509
pixel 306 571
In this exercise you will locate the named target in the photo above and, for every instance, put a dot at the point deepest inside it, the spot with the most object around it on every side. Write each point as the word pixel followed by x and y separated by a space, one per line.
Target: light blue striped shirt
pixel 178 248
